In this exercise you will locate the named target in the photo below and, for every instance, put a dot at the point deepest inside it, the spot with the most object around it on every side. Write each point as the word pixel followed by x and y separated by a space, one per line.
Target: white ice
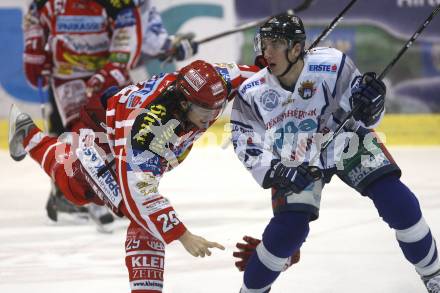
pixel 349 248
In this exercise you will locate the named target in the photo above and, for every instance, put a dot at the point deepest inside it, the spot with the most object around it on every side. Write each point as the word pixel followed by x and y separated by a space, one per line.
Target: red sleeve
pixel 234 75
pixel 35 59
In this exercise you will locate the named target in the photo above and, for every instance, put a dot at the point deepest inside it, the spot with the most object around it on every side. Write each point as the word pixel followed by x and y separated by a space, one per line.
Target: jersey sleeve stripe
pixel 341 66
pixel 241 124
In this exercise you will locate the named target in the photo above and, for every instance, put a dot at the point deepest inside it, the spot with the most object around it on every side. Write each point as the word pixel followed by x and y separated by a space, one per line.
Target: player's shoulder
pixel 254 83
pixel 324 54
pixel 39 3
pixel 114 7
pixel 323 59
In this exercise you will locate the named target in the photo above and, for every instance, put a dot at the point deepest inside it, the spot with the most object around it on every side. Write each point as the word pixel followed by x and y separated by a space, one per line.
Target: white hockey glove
pixel 182 47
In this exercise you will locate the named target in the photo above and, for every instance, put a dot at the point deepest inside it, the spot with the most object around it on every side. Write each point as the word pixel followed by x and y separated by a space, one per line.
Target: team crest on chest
pixel 270 99
pixel 307 89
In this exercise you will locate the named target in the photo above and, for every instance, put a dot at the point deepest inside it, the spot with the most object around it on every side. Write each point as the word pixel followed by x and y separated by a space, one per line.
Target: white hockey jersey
pixel 270 122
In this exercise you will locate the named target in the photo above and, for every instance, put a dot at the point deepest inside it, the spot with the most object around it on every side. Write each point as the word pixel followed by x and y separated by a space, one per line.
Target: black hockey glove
pixel 295 179
pixel 369 96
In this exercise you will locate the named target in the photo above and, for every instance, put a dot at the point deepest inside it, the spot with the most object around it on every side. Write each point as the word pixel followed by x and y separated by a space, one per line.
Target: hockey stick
pixel 301 7
pixel 167 57
pixel 315 171
pixel 320 38
pixel 332 25
pixel 42 104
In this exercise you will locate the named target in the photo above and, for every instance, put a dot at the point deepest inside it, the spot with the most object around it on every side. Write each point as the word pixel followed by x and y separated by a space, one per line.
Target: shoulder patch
pixel 114 7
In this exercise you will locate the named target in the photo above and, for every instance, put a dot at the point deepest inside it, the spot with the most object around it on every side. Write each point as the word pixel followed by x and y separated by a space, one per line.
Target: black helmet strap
pixel 288 60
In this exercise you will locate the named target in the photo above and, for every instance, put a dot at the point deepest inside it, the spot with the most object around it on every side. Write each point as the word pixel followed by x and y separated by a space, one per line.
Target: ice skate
pixel 57 203
pixel 20 124
pixel 102 217
pixel 432 282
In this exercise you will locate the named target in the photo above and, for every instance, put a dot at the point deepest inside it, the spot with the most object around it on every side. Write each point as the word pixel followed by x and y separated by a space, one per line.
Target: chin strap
pixel 290 63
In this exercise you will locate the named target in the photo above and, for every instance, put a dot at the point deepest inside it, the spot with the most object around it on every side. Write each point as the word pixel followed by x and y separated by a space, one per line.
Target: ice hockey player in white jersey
pixel 280 118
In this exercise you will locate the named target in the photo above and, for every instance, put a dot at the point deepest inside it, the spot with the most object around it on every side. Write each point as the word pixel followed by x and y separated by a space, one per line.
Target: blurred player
pixel 81 47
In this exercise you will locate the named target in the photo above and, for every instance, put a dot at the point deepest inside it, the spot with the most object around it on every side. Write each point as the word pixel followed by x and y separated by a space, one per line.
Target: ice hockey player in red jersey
pixel 81 47
pixel 122 147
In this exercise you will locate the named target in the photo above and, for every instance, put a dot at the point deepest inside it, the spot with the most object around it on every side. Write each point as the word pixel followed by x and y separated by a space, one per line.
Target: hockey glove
pixel 295 179
pixel 37 61
pixel 369 96
pixel 245 250
pixel 182 47
pixel 108 76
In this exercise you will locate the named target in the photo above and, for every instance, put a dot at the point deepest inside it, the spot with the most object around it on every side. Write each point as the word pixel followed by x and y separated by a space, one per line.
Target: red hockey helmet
pixel 202 85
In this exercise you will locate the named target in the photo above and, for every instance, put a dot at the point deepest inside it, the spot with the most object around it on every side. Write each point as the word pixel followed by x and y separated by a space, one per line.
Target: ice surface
pixel 349 248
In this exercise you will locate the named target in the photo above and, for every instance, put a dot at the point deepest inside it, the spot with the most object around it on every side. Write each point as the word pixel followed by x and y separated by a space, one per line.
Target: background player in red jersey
pixel 79 48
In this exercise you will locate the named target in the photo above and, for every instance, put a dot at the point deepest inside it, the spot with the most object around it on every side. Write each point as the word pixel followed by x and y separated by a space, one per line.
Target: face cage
pixel 258 38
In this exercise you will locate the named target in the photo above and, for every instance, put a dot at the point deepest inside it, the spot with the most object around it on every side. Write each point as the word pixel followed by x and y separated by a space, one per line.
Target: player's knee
pixel 396 204
pixel 71 187
pixel 286 232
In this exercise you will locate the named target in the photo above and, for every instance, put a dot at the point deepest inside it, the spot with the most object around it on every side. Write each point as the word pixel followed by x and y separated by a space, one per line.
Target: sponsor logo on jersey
pixel 79 24
pixel 224 72
pixel 323 67
pixel 147 261
pixel 270 100
pixel 120 3
pixel 360 172
pixel 288 101
pixel 307 89
pixel 125 18
pixel 87 45
pixel 216 89
pixel 156 245
pixel 251 85
pixel 295 113
pixel 136 99
pixel 81 63
pixel 195 80
pixel 153 116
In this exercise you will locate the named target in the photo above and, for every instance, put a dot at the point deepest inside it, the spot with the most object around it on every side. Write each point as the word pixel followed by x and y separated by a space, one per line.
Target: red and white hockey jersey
pixel 149 136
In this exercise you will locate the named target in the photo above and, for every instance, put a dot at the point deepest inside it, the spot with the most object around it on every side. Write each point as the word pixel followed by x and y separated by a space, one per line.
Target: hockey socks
pixel 399 207
pixel 284 234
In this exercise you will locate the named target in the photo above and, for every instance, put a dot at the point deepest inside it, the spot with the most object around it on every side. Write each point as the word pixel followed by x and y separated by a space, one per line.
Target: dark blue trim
pixel 337 120
pixel 258 112
pixel 341 66
pixel 298 207
pixel 243 100
pixel 321 159
pixel 354 80
pixel 241 124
